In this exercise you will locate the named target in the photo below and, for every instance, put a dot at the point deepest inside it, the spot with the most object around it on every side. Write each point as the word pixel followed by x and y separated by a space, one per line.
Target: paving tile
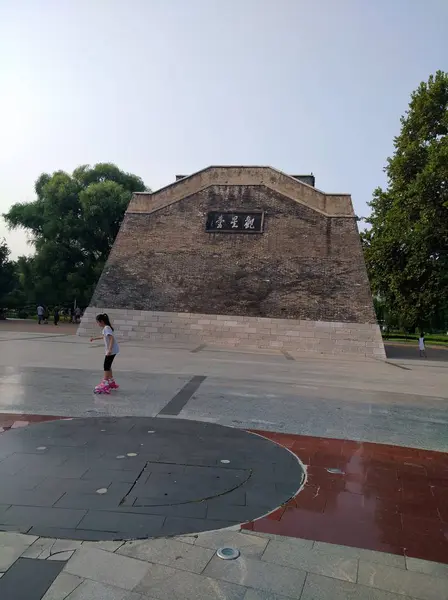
pixel 181 525
pixel 62 556
pixel 106 567
pixel 170 553
pixel 281 538
pixel 196 510
pixel 98 474
pixel 42 516
pixel 257 574
pixel 292 555
pixel 16 540
pixel 428 567
pixel 186 539
pixel 165 583
pixel 418 585
pixel 71 533
pixel 318 587
pixel 28 579
pixel 248 545
pixel 260 595
pixel 394 560
pixel 65 545
pixel 135 525
pixel 15 528
pixel 8 556
pixel 30 497
pixel 108 546
pixel 62 586
pixel 40 549
pixel 93 590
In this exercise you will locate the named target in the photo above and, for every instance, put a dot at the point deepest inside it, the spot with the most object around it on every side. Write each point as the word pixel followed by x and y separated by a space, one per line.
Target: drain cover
pixel 228 553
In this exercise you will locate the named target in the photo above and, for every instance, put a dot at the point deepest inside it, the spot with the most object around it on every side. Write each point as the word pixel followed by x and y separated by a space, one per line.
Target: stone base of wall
pixel 361 339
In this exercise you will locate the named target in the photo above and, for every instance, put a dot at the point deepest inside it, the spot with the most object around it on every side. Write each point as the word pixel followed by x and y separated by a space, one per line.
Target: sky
pixel 166 87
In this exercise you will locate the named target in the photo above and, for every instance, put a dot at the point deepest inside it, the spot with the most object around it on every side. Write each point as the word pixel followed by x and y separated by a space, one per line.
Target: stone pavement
pixel 363 526
pixel 187 568
pixel 403 403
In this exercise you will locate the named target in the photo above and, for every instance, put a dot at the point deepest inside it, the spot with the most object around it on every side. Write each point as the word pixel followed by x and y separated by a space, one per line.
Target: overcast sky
pixel 161 87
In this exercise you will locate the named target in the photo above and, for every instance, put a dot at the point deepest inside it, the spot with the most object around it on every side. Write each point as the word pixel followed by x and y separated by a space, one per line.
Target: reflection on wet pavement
pixel 372 496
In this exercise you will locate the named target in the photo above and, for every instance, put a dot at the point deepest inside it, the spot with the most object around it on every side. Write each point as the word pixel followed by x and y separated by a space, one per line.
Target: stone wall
pixel 301 285
pixel 360 339
pixel 304 266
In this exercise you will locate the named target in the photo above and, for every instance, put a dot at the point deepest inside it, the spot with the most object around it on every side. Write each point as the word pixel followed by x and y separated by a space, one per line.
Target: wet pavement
pixel 136 477
pixel 373 496
pixel 368 518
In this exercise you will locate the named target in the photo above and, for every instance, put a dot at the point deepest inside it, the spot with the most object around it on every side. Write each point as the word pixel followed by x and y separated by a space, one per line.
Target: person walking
pixel 421 345
pixel 56 315
pixel 40 313
pixel 112 349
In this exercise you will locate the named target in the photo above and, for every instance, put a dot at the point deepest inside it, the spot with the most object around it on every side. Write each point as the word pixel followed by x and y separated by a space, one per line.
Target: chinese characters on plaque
pixel 235 222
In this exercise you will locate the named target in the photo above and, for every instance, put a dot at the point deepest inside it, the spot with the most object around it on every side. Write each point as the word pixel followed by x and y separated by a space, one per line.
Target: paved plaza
pixel 328 475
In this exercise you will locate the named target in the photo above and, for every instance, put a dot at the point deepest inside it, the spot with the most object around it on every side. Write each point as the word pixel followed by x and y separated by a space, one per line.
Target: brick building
pixel 240 256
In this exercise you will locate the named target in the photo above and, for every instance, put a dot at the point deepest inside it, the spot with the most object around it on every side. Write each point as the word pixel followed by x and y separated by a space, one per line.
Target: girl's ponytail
pixel 104 318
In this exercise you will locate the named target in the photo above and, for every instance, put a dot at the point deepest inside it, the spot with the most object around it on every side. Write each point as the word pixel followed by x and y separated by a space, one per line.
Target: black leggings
pixel 108 360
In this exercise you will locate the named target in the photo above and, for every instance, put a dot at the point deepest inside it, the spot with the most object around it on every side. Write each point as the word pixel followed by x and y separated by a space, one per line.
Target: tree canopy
pixel 72 223
pixel 406 248
pixel 8 277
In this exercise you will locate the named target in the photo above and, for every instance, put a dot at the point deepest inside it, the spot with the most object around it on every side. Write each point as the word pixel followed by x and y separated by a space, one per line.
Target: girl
pixel 112 350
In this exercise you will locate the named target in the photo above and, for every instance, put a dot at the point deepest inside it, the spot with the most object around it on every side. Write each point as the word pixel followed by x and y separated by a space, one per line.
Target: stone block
pixel 318 587
pixel 398 581
pixel 170 553
pixel 257 574
pixel 106 567
pixel 62 587
pixel 166 583
pixel 290 554
pixel 393 560
pixel 428 567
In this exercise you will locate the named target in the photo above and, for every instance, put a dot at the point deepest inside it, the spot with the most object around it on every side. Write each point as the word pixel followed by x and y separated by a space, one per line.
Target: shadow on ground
pixel 410 352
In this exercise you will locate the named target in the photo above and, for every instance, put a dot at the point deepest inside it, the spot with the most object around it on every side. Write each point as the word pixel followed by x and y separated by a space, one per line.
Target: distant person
pixel 112 350
pixel 77 314
pixel 421 345
pixel 40 314
pixel 72 314
pixel 56 315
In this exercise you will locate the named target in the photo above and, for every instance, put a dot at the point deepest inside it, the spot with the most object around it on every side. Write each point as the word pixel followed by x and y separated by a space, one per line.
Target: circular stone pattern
pixel 107 479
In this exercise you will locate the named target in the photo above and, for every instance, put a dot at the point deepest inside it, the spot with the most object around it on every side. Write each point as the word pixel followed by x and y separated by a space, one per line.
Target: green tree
pixel 8 277
pixel 73 223
pixel 406 248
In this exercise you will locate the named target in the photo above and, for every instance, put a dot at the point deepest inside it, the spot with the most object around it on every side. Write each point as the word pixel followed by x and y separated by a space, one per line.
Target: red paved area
pixel 385 498
pixel 12 421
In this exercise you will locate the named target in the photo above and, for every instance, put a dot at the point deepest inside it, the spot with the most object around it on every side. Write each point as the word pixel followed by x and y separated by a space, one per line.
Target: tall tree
pixel 73 223
pixel 406 248
pixel 8 277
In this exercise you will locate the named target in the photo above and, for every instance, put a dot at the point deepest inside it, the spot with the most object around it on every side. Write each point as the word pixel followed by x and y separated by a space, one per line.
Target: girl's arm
pixel 94 339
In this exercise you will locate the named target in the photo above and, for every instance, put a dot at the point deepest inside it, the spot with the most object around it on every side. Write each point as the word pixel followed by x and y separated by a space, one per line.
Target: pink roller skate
pixel 113 385
pixel 102 388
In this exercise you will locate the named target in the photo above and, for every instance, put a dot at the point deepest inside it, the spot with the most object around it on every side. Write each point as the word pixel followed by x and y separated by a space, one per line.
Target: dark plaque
pixel 235 222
